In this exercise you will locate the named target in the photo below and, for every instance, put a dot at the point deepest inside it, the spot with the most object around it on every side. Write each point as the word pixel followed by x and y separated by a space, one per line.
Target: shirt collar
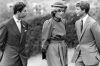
pixel 16 20
pixel 84 19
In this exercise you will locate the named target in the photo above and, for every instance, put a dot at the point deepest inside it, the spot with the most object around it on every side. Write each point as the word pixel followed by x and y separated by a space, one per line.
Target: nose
pixel 61 12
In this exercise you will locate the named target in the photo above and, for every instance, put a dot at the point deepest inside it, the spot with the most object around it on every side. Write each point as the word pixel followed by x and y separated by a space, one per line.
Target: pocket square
pixel 25 30
pixel 23 25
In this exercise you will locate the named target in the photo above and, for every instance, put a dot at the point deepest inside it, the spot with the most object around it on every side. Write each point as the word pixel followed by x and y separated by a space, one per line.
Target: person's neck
pixel 17 16
pixel 83 15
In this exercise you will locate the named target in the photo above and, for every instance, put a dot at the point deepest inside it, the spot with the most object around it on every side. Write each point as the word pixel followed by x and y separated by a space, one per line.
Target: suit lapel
pixel 23 28
pixel 79 29
pixel 14 27
pixel 85 26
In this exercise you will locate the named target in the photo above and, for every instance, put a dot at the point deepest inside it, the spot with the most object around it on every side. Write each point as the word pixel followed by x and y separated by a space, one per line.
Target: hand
pixel 66 65
pixel 43 50
pixel 45 46
pixel 43 53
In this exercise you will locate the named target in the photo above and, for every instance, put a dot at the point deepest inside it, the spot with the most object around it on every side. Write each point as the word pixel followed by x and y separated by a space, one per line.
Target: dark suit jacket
pixel 11 37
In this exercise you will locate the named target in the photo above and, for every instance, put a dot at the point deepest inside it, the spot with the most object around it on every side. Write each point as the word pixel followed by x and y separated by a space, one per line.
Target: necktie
pixel 19 25
pixel 81 25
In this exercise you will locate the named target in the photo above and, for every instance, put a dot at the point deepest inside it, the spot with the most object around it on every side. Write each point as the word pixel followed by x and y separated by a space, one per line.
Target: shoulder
pixel 92 21
pixel 5 23
pixel 77 22
pixel 48 22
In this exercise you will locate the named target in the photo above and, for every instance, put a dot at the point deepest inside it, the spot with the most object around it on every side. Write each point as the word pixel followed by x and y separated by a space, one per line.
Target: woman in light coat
pixel 53 37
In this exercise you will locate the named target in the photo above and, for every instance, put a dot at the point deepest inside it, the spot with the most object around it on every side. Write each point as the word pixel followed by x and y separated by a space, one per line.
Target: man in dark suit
pixel 87 53
pixel 13 38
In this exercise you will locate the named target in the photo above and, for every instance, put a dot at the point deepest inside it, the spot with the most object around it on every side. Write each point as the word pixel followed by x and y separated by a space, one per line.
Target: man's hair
pixel 84 6
pixel 18 7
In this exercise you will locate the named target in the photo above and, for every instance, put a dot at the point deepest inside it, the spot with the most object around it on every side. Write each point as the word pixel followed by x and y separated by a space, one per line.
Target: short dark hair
pixel 53 13
pixel 19 7
pixel 84 5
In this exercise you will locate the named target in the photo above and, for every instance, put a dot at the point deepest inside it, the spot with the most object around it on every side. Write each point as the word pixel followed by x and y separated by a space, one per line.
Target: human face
pixel 60 12
pixel 23 13
pixel 79 12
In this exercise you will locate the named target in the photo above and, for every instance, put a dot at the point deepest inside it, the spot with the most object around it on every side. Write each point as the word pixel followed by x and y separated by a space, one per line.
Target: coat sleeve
pixel 3 37
pixel 46 30
pixel 95 28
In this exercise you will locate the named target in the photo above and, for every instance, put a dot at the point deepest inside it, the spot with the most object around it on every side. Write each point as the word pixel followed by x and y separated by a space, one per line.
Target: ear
pixel 84 10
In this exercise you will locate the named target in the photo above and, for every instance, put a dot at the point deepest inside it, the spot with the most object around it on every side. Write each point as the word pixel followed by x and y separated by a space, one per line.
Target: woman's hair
pixel 53 14
pixel 55 11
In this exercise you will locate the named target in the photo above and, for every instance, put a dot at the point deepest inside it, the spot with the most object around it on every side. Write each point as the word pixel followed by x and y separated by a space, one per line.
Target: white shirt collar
pixel 16 20
pixel 84 19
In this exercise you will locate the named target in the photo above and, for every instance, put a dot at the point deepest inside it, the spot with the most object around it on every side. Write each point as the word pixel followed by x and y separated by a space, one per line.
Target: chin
pixel 23 16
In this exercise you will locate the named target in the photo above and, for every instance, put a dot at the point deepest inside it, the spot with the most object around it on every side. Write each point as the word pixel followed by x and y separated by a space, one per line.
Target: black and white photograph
pixel 49 32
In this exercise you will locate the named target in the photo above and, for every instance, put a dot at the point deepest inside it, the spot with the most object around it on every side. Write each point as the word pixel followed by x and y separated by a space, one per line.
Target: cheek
pixel 56 14
pixel 23 14
pixel 60 14
pixel 77 11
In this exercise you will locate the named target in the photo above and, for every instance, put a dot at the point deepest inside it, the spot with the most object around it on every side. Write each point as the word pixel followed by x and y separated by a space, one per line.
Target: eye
pixel 60 10
pixel 24 10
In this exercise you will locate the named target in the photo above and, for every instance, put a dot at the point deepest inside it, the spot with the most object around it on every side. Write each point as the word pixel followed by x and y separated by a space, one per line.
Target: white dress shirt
pixel 84 19
pixel 18 23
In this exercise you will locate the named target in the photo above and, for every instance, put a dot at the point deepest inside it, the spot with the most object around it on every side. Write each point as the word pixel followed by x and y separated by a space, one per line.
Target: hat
pixel 59 4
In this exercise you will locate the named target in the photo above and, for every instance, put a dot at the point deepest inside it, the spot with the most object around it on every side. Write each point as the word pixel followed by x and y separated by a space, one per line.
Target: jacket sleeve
pixel 46 30
pixel 3 37
pixel 95 28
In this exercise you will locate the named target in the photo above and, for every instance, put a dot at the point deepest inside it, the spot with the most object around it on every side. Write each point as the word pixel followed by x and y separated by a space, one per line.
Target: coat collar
pixel 85 26
pixel 15 28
